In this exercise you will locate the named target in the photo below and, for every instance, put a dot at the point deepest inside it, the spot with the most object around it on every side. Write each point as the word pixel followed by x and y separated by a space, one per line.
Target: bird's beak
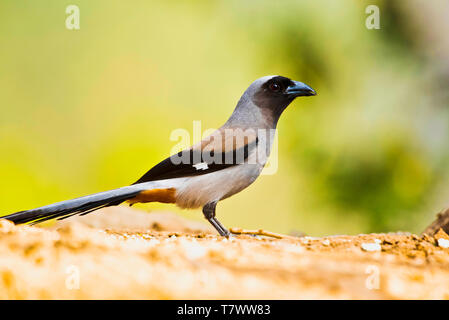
pixel 299 89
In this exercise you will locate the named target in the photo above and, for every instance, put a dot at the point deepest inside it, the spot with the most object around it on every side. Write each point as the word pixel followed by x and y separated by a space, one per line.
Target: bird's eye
pixel 275 87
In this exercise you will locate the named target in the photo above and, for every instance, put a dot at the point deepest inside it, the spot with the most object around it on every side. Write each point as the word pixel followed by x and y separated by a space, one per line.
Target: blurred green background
pixel 88 110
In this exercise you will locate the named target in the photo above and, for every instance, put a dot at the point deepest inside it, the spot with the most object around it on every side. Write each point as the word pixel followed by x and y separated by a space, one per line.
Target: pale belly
pixel 197 191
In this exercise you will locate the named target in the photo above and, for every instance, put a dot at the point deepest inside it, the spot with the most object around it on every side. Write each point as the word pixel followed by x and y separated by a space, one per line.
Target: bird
pixel 216 168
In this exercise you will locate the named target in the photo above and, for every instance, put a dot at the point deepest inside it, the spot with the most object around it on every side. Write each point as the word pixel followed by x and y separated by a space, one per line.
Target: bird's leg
pixel 209 214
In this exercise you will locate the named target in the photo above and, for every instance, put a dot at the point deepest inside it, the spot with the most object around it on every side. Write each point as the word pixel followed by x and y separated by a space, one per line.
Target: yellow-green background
pixel 92 109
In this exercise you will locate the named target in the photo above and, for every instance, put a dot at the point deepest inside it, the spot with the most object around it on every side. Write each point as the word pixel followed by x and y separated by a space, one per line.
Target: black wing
pixel 190 162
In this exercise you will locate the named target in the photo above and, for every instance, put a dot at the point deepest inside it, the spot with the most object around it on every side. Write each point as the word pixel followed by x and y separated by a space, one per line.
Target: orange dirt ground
pixel 128 254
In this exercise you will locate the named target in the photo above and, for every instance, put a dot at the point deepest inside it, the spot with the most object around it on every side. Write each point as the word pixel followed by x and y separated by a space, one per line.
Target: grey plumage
pixel 206 177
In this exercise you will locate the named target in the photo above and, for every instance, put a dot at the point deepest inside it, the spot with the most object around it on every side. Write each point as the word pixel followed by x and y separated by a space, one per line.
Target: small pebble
pixel 371 246
pixel 443 243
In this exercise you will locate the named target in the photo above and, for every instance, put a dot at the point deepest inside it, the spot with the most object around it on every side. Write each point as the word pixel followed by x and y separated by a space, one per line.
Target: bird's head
pixel 277 91
pixel 272 94
pixel 265 100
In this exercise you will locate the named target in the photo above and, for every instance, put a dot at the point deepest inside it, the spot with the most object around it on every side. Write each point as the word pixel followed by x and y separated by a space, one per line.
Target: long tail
pixel 81 206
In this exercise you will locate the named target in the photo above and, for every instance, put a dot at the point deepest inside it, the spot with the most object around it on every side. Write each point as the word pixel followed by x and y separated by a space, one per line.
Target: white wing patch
pixel 201 166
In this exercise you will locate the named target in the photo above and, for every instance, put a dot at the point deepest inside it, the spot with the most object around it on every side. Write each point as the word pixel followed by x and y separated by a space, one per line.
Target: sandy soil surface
pixel 128 254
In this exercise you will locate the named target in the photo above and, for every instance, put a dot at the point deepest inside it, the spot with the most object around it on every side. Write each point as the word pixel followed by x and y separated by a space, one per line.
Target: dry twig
pixel 261 232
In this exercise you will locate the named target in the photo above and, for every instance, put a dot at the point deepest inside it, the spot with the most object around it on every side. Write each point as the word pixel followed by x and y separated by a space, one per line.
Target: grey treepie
pixel 219 166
